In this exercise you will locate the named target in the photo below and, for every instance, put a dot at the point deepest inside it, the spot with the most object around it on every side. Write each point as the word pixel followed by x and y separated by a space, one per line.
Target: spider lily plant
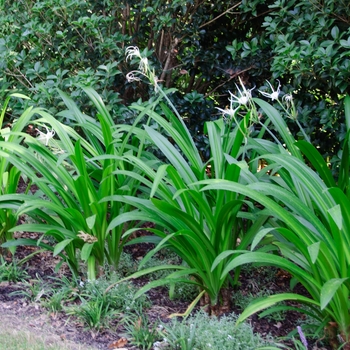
pixel 73 173
pixel 313 212
pixel 10 175
pixel 197 225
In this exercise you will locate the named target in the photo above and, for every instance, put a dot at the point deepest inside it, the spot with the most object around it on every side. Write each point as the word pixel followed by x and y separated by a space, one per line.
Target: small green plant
pixel 53 293
pixel 120 297
pixel 54 302
pixel 95 314
pixel 141 332
pixel 96 308
pixel 201 331
pixel 123 298
pixel 34 290
pixel 11 272
pixel 127 265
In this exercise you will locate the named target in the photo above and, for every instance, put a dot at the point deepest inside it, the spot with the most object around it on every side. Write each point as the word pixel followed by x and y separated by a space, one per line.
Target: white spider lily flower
pixel 274 94
pixel 45 138
pixel 292 111
pixel 132 51
pixel 143 68
pixel 288 98
pixel 245 95
pixel 130 77
pixel 230 112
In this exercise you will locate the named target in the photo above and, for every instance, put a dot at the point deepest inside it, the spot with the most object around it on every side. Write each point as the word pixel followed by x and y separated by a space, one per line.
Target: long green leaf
pixel 329 289
pixel 61 246
pixel 269 301
pixel 347 111
pixel 317 161
pixel 173 155
pixel 280 126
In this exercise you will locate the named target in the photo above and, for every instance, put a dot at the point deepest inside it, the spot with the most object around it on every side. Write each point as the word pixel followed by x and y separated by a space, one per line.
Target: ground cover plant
pixel 125 317
pixel 193 334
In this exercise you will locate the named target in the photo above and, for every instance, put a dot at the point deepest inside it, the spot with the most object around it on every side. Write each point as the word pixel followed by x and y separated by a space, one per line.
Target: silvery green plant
pixel 200 331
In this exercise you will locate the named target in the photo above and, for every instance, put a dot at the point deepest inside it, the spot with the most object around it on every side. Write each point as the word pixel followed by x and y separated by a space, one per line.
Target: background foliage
pixel 199 47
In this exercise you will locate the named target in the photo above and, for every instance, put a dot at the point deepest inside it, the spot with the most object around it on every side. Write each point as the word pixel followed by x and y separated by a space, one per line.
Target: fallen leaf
pixel 120 343
pixel 278 325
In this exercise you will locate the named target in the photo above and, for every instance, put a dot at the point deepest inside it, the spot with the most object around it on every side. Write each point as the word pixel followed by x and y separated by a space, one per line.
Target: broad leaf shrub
pixel 73 174
pixel 88 37
pixel 38 38
pixel 305 45
pixel 199 48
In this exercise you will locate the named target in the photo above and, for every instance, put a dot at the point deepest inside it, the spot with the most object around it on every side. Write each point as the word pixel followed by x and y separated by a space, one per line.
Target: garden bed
pixel 19 313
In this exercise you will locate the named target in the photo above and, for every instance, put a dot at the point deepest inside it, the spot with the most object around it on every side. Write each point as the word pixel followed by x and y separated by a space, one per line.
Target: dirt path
pixel 19 318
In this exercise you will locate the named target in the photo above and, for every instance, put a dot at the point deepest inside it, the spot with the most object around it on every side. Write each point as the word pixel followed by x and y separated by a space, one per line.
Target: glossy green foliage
pixel 198 47
pixel 53 44
pixel 305 44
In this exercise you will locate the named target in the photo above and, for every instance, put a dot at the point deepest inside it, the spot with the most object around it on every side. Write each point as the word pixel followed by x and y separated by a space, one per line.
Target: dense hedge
pixel 199 47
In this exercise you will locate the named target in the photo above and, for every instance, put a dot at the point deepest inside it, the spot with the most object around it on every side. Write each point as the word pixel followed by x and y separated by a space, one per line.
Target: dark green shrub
pixel 199 48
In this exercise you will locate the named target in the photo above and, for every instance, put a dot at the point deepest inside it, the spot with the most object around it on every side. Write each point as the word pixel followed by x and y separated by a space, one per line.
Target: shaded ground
pixel 17 313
